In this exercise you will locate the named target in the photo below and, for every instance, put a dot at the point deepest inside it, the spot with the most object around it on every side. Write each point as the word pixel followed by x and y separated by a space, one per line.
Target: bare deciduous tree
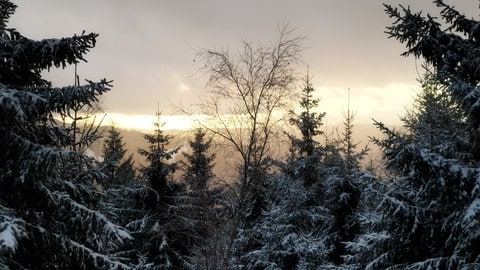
pixel 247 93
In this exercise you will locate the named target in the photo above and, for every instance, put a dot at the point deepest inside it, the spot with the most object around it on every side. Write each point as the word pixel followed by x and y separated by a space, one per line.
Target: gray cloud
pixel 147 47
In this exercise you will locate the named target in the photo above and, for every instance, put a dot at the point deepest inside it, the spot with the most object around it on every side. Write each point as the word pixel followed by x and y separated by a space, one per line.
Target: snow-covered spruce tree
pixel 128 205
pixel 291 234
pixel 81 122
pixel 201 204
pixel 166 236
pixel 117 168
pixel 451 47
pixel 306 151
pixel 437 119
pixel 48 217
pixel 198 171
pixel 158 168
pixel 291 231
pixel 427 217
pixel 343 180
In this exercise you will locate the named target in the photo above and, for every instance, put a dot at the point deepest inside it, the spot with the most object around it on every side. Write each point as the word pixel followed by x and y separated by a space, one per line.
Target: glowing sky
pixel 147 47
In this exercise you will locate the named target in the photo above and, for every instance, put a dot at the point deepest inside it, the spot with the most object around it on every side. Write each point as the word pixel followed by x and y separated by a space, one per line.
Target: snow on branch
pixel 101 261
pixel 89 217
pixel 11 230
pixel 19 106
pixel 69 96
pixel 55 52
pixel 472 214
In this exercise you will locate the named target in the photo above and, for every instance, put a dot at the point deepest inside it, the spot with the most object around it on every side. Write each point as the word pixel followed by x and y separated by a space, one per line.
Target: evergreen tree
pixel 291 234
pixel 348 146
pixel 344 181
pixel 114 165
pixel 129 205
pixel 306 226
pixel 157 171
pixel 126 171
pixel 49 217
pixel 201 206
pixel 166 235
pixel 437 120
pixel 451 47
pixel 430 213
pixel 199 163
pixel 306 151
pixel 427 217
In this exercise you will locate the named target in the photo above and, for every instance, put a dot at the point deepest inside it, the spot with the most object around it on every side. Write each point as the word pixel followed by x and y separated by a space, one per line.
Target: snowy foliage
pixel 158 168
pixel 11 231
pixel 117 168
pixel 290 233
pixel 426 217
pixel 198 171
pixel 305 152
pixel 49 215
pixel 450 44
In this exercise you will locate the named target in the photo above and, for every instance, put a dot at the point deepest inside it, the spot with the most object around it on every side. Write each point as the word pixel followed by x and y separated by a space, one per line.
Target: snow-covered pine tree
pixel 445 188
pixel 292 230
pixel 427 217
pixel 49 217
pixel 348 146
pixel 117 169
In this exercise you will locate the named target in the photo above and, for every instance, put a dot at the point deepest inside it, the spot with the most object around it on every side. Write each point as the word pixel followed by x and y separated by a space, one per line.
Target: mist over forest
pixel 262 182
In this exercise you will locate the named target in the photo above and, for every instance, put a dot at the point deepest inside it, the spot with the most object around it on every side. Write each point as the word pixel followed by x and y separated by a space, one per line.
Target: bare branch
pixel 247 92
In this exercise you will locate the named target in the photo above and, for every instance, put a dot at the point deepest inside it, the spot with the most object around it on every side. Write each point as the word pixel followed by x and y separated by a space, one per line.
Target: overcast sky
pixel 147 47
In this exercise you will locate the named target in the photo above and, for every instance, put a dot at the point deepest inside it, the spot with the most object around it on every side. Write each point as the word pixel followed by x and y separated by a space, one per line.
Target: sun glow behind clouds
pixel 145 122
pixel 173 122
pixel 385 104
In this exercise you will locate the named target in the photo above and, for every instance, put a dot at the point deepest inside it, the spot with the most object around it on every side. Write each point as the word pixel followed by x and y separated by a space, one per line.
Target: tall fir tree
pixel 117 168
pixel 306 150
pixel 200 164
pixel 430 213
pixel 201 206
pixel 49 216
pixel 166 235
pixel 344 182
pixel 427 216
pixel 348 146
pixel 310 211
pixel 158 168
pixel 450 44
pixel 437 120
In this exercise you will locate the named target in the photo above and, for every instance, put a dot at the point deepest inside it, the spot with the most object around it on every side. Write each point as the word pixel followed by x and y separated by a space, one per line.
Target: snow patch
pixel 11 230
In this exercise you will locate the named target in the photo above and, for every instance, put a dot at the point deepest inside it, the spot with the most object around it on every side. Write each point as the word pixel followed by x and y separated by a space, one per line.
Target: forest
pixel 320 207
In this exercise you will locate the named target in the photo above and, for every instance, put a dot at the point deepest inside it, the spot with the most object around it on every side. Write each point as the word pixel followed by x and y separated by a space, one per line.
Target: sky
pixel 148 47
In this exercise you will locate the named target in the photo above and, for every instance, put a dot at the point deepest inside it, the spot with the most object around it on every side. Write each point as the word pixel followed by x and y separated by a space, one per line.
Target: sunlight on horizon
pixel 145 122
pixel 385 104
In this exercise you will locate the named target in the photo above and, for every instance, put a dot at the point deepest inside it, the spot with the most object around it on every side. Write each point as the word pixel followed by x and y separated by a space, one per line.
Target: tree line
pixel 318 208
